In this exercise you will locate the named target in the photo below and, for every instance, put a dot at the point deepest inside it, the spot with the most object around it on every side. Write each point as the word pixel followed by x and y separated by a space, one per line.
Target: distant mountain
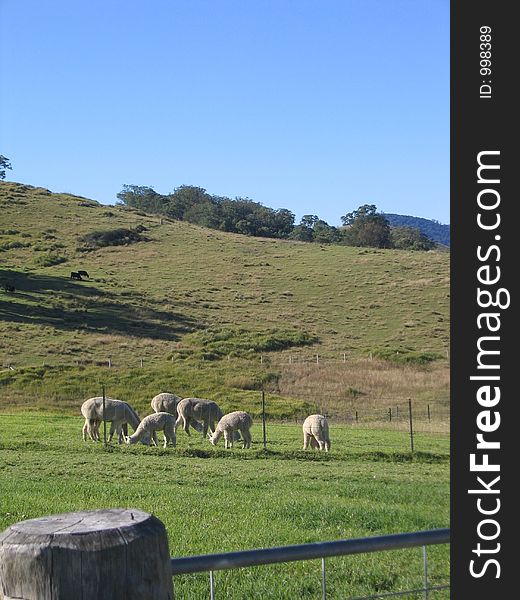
pixel 433 229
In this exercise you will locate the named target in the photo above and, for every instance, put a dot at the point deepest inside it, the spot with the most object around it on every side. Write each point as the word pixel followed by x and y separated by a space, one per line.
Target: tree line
pixel 363 227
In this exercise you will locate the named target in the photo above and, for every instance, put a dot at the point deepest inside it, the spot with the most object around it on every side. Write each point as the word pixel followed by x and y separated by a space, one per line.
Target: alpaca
pixel 116 411
pixel 165 402
pixel 160 421
pixel 231 423
pixel 190 409
pixel 316 432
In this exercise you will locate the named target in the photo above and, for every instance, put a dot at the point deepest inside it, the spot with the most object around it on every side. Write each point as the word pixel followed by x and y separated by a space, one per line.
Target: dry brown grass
pixel 370 387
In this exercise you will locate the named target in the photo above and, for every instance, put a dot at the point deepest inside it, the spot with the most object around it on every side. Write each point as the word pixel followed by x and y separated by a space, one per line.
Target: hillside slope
pixel 185 277
pixel 189 293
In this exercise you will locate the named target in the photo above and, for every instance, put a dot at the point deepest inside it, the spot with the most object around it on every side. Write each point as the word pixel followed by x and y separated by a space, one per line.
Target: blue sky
pixel 318 106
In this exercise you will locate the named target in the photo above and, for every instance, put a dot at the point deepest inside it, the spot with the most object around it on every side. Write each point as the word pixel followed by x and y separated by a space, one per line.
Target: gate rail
pixel 281 554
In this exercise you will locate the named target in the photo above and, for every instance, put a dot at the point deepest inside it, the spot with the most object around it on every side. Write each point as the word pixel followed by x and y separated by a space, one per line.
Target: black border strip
pixel 483 122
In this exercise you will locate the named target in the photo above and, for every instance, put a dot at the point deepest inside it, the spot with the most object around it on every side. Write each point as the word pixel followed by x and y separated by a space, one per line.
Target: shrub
pixel 220 342
pixel 405 356
pixel 13 245
pixel 49 260
pixel 111 237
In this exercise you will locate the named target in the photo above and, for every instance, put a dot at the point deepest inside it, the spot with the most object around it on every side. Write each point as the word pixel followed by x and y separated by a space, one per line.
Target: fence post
pixel 88 555
pixel 425 570
pixel 344 357
pixel 263 420
pixel 323 580
pixel 390 414
pixel 317 359
pixel 104 420
pixel 429 419
pixel 356 416
pixel 211 586
pixel 411 422
pixel 141 363
pixel 397 412
pixel 109 363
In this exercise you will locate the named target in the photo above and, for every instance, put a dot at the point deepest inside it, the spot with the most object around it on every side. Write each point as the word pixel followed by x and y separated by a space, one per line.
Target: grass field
pixel 212 500
pixel 199 312
pixel 211 313
pixel 143 299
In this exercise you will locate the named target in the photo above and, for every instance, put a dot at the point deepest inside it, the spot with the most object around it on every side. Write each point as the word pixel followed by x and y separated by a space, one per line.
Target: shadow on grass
pixel 233 454
pixel 100 310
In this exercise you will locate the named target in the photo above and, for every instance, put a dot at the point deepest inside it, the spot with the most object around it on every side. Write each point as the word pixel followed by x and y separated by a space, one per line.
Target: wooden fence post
pixel 104 419
pixel 411 423
pixel 107 554
pixel 263 420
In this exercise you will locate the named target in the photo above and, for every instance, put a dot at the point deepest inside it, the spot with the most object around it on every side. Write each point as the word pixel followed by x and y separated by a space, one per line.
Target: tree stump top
pixel 82 522
pixel 106 554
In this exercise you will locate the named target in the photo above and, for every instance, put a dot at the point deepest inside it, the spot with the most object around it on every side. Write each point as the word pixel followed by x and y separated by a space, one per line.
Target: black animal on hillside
pixel 84 274
pixel 75 275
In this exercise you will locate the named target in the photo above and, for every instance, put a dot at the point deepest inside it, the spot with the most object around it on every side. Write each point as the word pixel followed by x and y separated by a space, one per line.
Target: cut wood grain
pixel 108 554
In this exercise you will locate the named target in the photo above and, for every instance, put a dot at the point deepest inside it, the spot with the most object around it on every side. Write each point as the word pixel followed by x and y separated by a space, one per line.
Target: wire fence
pixel 407 415
pixel 279 359
pixel 408 419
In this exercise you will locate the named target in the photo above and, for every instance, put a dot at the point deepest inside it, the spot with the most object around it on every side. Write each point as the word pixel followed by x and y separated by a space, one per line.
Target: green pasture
pixel 212 500
pixel 173 295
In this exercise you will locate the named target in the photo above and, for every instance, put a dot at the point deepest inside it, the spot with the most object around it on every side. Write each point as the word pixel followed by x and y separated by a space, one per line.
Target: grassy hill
pixel 206 312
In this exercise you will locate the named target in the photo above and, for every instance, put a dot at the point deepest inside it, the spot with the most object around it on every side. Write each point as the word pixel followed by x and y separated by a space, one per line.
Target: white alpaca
pixel 119 413
pixel 161 421
pixel 228 426
pixel 316 432
pixel 165 402
pixel 190 409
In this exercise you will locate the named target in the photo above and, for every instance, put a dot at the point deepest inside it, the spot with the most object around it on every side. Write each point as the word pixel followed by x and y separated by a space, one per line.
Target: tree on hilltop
pixel 314 229
pixel 5 163
pixel 366 227
pixel 410 238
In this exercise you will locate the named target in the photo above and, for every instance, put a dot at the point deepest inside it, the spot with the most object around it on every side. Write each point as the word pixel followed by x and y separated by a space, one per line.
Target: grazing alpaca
pixel 228 426
pixel 206 411
pixel 116 411
pixel 316 432
pixel 161 421
pixel 165 402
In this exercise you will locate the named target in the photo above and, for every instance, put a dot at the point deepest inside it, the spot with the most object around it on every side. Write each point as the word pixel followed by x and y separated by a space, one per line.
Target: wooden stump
pixel 112 554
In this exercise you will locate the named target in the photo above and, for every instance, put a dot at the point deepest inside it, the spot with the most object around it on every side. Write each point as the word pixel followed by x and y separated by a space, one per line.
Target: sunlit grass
pixel 212 500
